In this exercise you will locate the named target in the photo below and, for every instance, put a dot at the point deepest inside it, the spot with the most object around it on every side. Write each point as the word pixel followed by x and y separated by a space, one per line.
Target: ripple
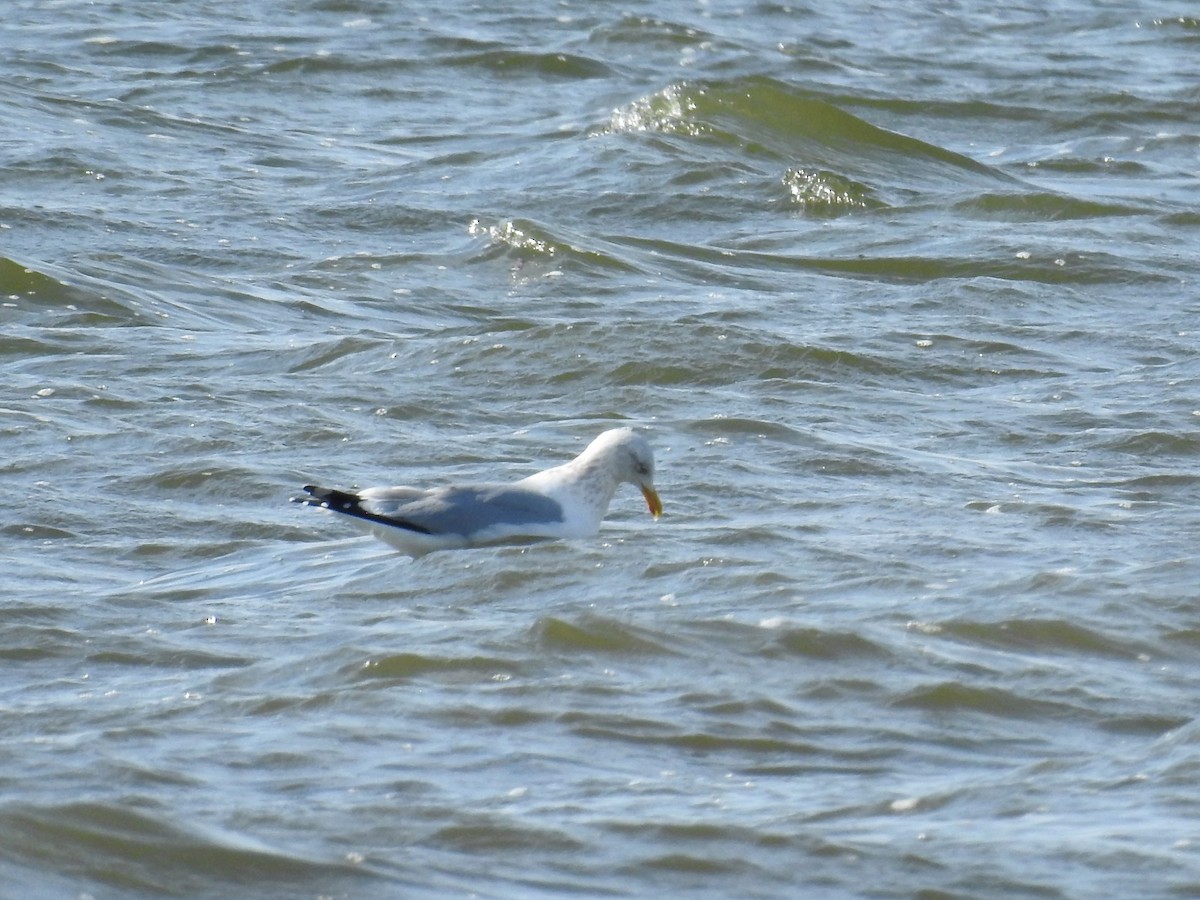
pixel 821 644
pixel 633 731
pixel 915 344
pixel 487 833
pixel 954 697
pixel 596 635
pixel 1056 636
pixel 1157 444
pixel 408 666
pixel 134 850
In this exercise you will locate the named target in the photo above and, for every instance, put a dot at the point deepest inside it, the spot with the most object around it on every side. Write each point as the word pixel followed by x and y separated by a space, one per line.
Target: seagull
pixel 567 501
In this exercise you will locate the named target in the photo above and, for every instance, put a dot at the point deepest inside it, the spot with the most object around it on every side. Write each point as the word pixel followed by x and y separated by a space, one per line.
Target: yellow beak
pixel 652 500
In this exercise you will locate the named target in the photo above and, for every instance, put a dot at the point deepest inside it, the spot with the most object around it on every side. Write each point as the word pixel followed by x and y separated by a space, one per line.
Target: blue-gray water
pixel 904 295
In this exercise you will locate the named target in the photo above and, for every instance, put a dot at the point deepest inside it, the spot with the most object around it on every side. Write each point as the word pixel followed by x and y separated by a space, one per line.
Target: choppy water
pixel 905 296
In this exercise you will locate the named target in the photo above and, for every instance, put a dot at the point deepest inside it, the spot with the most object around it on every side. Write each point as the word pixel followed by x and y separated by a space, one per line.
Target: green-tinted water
pixel 904 297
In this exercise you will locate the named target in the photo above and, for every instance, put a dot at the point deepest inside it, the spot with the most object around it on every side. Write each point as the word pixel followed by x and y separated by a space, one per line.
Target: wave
pixel 741 147
pixel 738 148
pixel 837 160
pixel 132 850
pixel 538 250
pixel 79 299
pixel 527 240
pixel 1043 636
pixel 597 635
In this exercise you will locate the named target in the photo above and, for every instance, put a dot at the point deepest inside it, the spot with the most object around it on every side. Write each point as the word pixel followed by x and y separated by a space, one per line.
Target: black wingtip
pixel 350 504
pixel 333 498
pixel 330 498
pixel 300 498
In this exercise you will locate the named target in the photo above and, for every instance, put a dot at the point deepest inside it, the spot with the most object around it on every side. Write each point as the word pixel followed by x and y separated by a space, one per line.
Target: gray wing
pixel 463 510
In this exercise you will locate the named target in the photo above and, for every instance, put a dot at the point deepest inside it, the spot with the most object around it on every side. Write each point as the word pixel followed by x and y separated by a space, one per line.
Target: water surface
pixel 904 297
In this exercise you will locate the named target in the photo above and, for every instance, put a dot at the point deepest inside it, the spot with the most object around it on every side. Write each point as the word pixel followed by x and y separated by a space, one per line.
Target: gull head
pixel 628 457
